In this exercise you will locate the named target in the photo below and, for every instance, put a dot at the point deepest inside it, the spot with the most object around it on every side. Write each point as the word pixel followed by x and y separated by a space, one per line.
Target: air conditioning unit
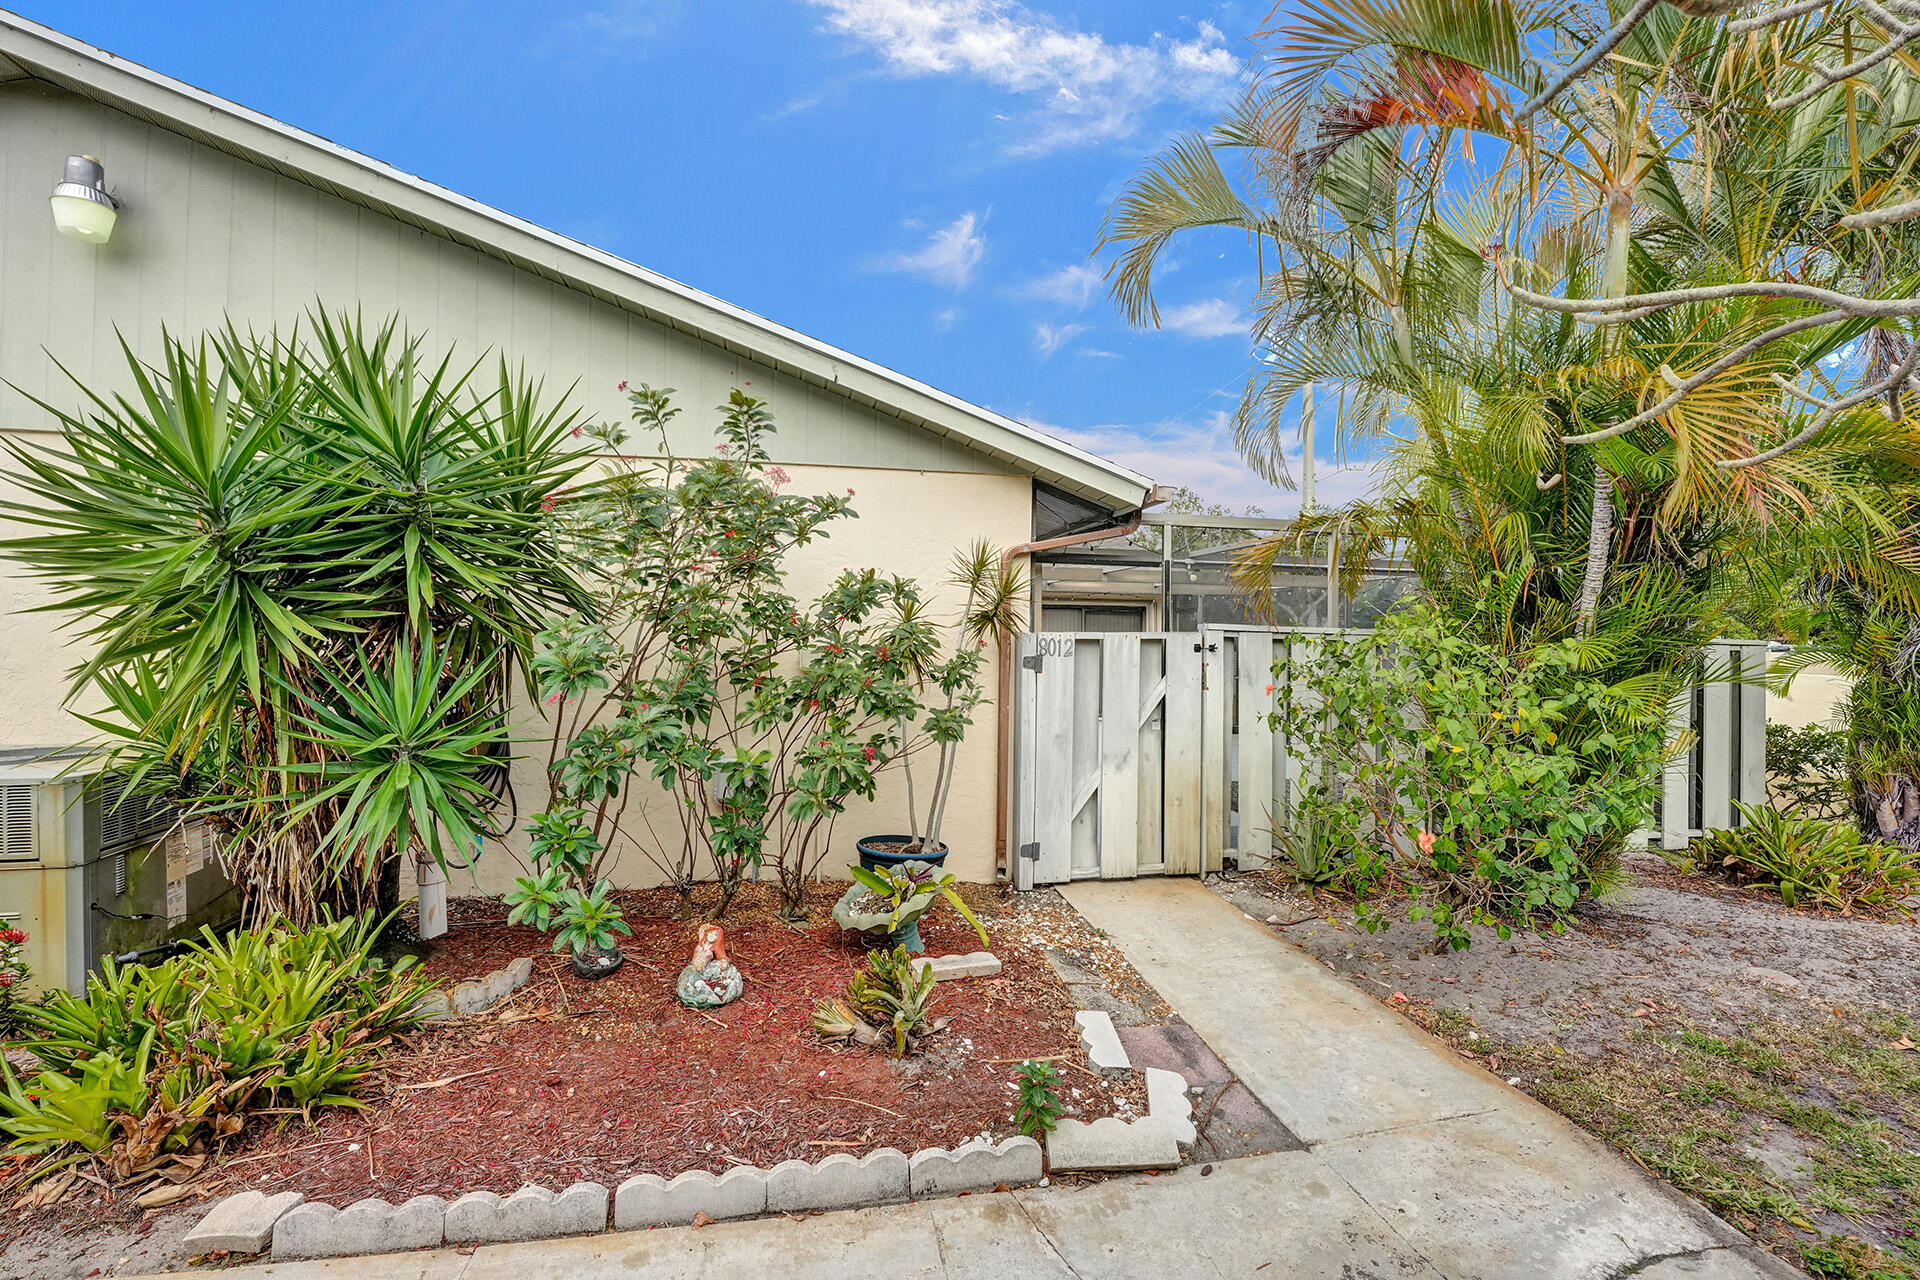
pixel 87 872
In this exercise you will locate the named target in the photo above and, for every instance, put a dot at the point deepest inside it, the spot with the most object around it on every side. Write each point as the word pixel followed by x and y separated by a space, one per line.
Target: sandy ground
pixel 1718 956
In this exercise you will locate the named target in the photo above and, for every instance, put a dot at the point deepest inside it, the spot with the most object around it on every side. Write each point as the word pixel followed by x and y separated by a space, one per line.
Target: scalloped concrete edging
pixel 367 1226
pixel 476 995
pixel 248 1221
pixel 530 1213
pixel 1110 1144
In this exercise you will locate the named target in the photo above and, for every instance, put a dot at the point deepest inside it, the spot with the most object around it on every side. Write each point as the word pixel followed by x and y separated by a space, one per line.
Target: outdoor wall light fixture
pixel 81 206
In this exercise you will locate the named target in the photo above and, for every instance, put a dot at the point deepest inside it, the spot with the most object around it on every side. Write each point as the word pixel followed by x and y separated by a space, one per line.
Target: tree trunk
pixel 1599 547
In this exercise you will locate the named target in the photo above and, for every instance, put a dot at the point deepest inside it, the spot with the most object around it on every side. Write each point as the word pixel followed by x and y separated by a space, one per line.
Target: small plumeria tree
pixel 760 715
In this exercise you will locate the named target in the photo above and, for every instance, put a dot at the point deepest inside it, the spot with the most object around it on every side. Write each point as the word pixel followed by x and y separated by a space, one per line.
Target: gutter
pixel 1003 702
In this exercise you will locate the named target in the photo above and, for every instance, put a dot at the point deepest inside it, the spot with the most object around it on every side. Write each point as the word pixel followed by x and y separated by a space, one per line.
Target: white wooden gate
pixel 1151 754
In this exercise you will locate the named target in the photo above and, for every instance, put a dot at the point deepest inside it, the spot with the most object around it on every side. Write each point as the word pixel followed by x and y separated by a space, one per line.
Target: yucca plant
pixel 306 567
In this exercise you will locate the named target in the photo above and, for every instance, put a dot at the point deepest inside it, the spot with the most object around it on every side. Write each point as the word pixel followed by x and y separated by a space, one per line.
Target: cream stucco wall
pixel 910 523
pixel 1818 695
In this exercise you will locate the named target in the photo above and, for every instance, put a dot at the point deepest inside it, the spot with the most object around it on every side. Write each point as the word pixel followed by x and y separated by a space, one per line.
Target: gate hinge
pixel 1031 852
pixel 1032 662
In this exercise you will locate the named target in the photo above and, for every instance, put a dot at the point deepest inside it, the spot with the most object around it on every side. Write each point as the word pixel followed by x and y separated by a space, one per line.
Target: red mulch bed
pixel 599 1080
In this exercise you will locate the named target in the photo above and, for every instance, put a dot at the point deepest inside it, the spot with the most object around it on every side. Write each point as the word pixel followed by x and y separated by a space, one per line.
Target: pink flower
pixel 576 433
pixel 849 493
pixel 621 387
pixel 1269 691
pixel 1426 842
pixel 868 752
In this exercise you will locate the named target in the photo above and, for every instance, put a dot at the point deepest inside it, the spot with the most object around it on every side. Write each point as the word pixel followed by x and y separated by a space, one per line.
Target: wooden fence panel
pixel 1152 753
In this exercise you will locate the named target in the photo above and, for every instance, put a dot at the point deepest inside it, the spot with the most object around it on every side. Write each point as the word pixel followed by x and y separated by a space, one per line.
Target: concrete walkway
pixel 1475 1177
pixel 1418 1165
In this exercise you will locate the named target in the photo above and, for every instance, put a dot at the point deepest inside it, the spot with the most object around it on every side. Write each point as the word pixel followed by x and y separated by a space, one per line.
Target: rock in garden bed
pixel 571 1080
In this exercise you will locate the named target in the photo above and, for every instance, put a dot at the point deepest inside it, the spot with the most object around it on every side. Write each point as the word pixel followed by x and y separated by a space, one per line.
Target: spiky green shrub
pixel 307 566
pixel 152 1062
pixel 1811 861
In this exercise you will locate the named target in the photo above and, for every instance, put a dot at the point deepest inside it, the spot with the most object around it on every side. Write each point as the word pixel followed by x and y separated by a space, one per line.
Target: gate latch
pixel 1032 662
pixel 1031 852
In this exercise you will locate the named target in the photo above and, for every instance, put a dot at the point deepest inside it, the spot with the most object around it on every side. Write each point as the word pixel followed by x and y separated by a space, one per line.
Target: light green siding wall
pixel 204 236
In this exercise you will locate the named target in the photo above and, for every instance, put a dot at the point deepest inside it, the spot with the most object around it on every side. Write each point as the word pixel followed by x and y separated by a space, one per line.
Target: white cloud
pixel 1070 286
pixel 1207 318
pixel 1049 338
pixel 1201 456
pixel 949 257
pixel 1083 87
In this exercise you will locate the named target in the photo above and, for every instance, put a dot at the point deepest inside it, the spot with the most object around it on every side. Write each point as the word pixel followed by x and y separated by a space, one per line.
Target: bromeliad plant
pixel 1812 861
pixel 13 974
pixel 891 900
pixel 154 1063
pixel 306 566
pixel 760 715
pixel 890 1001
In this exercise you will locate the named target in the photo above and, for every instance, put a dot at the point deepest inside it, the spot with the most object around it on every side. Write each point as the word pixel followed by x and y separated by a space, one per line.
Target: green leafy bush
pixel 1475 785
pixel 762 714
pixel 1807 770
pixel 1812 861
pixel 157 1061
pixel 1037 1109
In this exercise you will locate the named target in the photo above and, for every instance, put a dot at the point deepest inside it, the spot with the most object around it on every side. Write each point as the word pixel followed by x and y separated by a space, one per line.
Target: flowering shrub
pixel 13 973
pixel 760 714
pixel 1476 786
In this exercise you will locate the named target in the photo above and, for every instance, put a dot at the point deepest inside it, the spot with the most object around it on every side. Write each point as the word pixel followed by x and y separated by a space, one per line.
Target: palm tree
pixel 1673 156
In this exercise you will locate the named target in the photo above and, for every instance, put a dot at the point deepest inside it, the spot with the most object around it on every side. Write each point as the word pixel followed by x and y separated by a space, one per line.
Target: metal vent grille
pixel 16 822
pixel 120 874
pixel 132 819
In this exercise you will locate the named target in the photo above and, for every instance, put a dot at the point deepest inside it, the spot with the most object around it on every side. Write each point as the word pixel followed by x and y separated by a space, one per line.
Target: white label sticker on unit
pixel 196 840
pixel 176 901
pixel 176 855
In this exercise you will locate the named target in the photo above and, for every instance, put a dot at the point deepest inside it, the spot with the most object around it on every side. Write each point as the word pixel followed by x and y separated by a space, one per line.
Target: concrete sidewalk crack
pixel 1639 1265
pixel 1397 1128
pixel 939 1240
pixel 1042 1233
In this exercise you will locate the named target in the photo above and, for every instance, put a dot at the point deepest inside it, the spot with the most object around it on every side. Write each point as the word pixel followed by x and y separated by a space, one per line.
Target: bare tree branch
pixel 1871 218
pixel 1825 78
pixel 1647 303
pixel 1687 386
pixel 1740 26
pixel 1827 412
pixel 1588 60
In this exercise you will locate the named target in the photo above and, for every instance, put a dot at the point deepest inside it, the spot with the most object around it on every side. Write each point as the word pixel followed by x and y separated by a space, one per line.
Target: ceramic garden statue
pixel 710 980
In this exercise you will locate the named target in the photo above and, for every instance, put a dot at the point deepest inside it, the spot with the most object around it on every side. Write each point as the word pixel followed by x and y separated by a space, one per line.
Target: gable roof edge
pixel 94 73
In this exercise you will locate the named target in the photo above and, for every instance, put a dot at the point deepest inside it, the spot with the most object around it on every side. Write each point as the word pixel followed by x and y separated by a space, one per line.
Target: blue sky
pixel 919 181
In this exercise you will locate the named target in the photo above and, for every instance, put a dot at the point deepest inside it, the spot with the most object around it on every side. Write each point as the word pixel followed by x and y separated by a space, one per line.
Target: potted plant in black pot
pixel 951 690
pixel 565 891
